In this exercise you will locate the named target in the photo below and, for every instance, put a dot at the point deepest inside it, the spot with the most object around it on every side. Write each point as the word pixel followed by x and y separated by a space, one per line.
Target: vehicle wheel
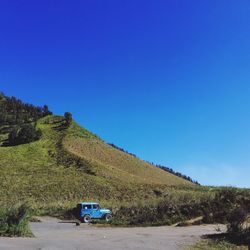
pixel 86 219
pixel 108 217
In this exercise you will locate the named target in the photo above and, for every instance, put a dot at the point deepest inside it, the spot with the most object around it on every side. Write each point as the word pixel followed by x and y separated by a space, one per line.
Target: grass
pixel 216 245
pixel 115 164
pixel 36 174
pixel 14 222
pixel 67 166
pixel 70 164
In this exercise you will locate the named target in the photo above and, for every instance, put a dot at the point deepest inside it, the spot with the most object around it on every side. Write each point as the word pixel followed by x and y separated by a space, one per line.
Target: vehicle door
pixel 96 213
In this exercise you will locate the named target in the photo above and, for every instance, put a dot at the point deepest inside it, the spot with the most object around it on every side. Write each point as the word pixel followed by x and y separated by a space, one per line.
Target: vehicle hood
pixel 105 211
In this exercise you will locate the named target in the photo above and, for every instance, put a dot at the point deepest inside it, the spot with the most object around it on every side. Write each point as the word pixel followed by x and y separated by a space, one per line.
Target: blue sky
pixel 166 80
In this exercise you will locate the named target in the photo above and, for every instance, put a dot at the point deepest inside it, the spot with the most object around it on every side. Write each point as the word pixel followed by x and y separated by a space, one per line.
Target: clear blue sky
pixel 166 80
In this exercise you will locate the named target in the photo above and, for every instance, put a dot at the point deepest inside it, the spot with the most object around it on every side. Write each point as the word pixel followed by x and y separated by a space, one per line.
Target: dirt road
pixel 53 234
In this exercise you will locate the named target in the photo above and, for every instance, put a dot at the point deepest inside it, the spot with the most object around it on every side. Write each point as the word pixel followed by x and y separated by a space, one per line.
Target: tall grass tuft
pixel 14 222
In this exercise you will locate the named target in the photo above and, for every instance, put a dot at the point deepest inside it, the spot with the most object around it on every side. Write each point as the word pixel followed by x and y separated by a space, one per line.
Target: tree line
pixel 170 170
pixel 13 111
pixel 18 120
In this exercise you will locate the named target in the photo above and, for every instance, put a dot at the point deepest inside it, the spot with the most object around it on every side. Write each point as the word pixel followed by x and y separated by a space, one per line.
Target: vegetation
pixel 235 213
pixel 17 121
pixel 216 207
pixel 216 245
pixel 68 164
pixel 239 223
pixel 52 164
pixel 170 170
pixel 24 134
pixel 167 169
pixel 14 221
pixel 68 119
pixel 114 164
pixel 14 112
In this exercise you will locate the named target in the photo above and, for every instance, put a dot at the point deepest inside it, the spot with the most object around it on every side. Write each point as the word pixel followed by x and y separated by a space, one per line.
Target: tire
pixel 108 217
pixel 86 219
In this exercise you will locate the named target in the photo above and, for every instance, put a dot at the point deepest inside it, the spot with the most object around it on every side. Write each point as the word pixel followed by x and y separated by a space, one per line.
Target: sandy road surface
pixel 52 234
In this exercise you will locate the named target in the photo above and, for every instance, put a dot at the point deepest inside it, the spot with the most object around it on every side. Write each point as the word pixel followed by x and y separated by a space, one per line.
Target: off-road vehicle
pixel 86 211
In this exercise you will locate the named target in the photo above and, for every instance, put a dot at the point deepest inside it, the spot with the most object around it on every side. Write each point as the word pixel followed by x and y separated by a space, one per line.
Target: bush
pixel 238 229
pixel 14 222
pixel 68 118
pixel 164 213
pixel 214 210
pixel 25 134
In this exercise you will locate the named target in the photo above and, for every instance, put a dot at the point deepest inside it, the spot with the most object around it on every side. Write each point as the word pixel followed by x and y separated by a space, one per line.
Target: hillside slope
pixel 46 159
pixel 72 164
pixel 113 163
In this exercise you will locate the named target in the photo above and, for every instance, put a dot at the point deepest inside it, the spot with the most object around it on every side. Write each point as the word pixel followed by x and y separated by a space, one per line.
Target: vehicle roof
pixel 89 203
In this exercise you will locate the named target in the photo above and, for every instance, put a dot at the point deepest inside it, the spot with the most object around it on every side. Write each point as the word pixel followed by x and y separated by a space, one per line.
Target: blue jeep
pixel 90 210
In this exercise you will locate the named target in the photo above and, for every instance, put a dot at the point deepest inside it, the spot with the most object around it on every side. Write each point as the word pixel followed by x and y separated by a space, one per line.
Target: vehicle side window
pixel 87 207
pixel 95 206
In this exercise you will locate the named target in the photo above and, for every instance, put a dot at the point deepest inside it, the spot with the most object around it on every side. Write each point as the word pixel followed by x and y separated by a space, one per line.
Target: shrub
pixel 238 229
pixel 14 222
pixel 68 118
pixel 220 209
pixel 25 134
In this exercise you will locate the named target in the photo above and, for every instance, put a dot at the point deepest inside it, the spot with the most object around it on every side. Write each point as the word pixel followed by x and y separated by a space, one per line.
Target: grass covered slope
pixel 113 163
pixel 68 165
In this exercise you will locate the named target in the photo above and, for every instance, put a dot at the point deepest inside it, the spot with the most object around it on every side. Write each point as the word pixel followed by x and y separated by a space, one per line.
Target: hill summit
pixel 50 159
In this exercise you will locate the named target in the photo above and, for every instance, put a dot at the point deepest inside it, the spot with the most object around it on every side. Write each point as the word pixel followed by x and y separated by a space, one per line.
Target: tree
pixel 28 133
pixel 68 118
pixel 1 95
pixel 25 134
pixel 14 112
pixel 46 111
pixel 12 136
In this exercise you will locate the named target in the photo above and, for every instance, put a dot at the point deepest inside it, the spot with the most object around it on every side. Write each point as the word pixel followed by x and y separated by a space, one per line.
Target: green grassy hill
pixel 49 163
pixel 114 164
pixel 68 164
